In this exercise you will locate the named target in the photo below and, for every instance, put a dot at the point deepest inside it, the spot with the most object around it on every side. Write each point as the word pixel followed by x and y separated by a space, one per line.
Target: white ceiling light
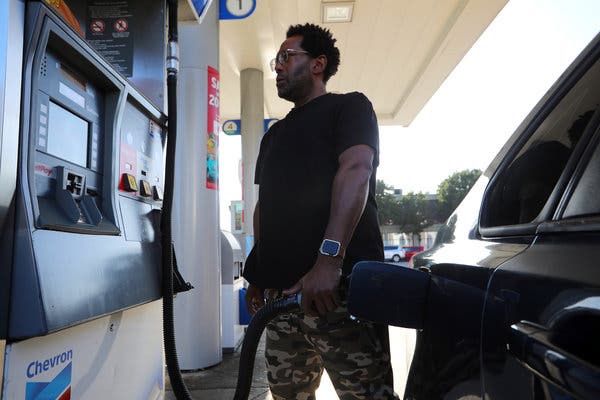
pixel 337 11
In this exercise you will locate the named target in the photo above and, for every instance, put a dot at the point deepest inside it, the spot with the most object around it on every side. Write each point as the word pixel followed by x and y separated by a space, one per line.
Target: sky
pixel 481 103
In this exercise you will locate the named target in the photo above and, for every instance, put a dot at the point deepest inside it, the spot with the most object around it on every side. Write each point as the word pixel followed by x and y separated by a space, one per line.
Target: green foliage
pixel 414 212
pixel 387 204
pixel 453 189
pixel 409 212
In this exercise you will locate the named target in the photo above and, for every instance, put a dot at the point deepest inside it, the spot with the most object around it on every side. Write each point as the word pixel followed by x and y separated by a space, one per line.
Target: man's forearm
pixel 349 196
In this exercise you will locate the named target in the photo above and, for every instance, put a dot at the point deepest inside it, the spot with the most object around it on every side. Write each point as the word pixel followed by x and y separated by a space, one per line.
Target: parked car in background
pixel 410 251
pixel 507 301
pixel 393 253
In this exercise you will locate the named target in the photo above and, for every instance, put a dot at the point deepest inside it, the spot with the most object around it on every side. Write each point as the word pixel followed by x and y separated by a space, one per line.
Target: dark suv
pixel 507 301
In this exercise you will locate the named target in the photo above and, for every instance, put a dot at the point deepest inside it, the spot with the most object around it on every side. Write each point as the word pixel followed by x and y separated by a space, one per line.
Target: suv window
pixel 585 200
pixel 521 190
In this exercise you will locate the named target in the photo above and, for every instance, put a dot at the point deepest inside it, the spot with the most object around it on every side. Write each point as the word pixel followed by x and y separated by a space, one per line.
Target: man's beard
pixel 296 88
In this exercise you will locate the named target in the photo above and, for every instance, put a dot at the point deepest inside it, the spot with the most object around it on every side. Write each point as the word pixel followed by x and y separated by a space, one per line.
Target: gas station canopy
pixel 397 52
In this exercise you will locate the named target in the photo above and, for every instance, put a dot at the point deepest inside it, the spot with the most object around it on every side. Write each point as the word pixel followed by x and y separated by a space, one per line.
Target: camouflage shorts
pixel 355 355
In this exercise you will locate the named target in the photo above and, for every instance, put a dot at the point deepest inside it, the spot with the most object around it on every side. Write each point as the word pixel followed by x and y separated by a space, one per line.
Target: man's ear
pixel 319 64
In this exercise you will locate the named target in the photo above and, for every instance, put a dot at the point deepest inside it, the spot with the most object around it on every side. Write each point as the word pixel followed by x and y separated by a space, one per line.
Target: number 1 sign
pixel 236 9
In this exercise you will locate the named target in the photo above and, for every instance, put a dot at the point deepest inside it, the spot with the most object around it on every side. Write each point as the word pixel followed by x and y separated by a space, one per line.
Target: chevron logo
pixel 58 389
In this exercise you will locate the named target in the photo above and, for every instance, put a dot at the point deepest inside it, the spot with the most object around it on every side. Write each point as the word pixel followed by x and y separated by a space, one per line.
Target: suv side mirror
pixel 388 294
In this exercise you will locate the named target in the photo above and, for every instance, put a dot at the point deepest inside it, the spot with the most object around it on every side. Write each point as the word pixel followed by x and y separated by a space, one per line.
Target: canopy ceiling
pixel 398 52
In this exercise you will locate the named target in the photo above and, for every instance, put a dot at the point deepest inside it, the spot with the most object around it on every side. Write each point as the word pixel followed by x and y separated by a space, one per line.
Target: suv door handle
pixel 531 345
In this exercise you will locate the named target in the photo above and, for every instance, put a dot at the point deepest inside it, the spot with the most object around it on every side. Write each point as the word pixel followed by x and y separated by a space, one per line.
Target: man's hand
pixel 320 286
pixel 254 299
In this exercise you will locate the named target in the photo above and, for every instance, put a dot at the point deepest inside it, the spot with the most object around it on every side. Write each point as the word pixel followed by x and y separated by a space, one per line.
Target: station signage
pixel 236 9
pixel 233 127
pixel 212 130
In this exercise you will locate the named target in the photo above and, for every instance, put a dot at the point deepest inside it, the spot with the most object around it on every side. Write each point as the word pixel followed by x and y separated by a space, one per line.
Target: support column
pixel 252 124
pixel 196 232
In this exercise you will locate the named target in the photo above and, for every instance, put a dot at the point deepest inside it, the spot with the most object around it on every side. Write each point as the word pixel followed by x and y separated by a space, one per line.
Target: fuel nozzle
pixel 290 300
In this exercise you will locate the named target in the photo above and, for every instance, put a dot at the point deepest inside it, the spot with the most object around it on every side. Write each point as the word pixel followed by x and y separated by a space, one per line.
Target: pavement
pixel 219 382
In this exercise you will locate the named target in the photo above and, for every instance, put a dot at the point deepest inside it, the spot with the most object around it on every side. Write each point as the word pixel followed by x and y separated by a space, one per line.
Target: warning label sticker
pixel 109 32
pixel 97 26
pixel 121 25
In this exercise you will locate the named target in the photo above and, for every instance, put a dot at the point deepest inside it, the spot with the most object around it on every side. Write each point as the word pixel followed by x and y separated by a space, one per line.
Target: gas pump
pixel 82 175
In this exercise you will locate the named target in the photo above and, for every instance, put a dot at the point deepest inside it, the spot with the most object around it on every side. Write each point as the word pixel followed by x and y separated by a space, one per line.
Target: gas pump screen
pixel 67 135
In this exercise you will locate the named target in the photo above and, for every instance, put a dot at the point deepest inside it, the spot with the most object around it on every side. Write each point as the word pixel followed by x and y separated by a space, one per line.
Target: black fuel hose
pixel 253 333
pixel 179 389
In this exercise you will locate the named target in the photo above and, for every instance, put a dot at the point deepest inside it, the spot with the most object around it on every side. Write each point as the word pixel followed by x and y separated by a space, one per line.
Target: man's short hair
pixel 318 41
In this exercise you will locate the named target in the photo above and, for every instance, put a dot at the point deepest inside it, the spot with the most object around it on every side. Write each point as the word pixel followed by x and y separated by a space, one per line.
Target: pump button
pixel 145 188
pixel 129 183
pixel 158 193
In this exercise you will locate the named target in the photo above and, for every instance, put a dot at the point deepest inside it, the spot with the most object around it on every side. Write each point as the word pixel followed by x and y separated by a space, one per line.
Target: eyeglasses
pixel 283 56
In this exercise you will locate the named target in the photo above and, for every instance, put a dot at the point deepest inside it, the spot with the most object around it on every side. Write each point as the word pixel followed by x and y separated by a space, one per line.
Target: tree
pixel 388 206
pixel 412 212
pixel 453 190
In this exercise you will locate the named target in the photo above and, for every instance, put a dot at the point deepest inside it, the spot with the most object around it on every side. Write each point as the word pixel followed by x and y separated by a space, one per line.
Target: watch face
pixel 330 247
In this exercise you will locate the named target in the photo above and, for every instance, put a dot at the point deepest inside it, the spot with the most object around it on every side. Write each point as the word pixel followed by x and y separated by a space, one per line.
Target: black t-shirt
pixel 297 162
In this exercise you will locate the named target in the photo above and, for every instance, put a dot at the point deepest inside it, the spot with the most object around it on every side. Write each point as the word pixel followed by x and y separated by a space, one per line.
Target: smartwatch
pixel 330 248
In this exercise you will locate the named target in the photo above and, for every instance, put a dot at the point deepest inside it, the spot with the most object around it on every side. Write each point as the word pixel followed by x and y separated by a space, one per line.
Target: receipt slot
pixel 81 275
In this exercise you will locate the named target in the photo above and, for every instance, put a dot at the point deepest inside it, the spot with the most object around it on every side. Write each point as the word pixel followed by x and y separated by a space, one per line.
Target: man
pixel 315 218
